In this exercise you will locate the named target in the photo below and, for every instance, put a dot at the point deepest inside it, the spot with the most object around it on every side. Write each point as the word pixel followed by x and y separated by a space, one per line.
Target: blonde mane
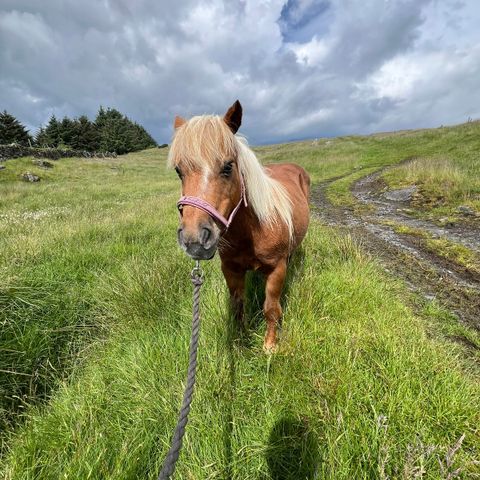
pixel 205 141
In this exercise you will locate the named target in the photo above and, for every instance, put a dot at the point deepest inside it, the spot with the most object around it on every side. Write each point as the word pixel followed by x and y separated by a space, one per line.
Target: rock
pixel 401 195
pixel 30 177
pixel 2 167
pixel 468 211
pixel 42 163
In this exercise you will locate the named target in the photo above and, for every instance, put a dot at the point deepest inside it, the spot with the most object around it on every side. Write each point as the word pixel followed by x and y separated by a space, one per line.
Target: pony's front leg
pixel 236 285
pixel 271 308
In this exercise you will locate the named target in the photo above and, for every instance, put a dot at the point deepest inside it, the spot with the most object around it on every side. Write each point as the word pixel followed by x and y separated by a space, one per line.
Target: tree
pixel 117 133
pixel 112 129
pixel 50 136
pixel 110 132
pixel 141 138
pixel 66 127
pixel 85 135
pixel 41 137
pixel 12 131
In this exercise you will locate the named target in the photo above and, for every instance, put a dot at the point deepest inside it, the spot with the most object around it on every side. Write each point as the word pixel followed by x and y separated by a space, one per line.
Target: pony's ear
pixel 233 117
pixel 178 122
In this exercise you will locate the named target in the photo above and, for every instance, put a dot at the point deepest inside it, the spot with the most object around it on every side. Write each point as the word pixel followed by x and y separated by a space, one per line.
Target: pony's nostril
pixel 205 235
pixel 180 236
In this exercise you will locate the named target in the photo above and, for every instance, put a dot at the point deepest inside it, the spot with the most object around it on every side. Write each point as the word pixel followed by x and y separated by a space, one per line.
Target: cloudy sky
pixel 301 68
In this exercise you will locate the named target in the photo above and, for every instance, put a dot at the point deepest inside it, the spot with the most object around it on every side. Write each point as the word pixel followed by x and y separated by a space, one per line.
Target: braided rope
pixel 174 452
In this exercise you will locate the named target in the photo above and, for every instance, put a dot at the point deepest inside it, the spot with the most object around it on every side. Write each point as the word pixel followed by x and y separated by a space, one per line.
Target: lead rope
pixel 172 455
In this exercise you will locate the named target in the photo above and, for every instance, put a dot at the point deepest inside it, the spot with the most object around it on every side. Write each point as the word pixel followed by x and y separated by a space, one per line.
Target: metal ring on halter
pixel 197 271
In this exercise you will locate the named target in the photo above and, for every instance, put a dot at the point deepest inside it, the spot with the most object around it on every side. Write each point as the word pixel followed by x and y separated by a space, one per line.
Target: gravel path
pixel 404 255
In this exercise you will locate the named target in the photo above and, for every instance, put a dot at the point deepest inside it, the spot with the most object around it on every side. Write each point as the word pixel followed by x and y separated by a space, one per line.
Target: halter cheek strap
pixel 211 210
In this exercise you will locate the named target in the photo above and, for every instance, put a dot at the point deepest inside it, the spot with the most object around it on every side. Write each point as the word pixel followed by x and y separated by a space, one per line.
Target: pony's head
pixel 204 153
pixel 215 167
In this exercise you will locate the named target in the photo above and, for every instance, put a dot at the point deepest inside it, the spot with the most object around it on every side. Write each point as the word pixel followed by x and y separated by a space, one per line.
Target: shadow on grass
pixel 232 337
pixel 292 452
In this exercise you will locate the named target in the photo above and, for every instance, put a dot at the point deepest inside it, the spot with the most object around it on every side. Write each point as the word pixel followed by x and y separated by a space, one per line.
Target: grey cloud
pixel 154 59
pixel 367 33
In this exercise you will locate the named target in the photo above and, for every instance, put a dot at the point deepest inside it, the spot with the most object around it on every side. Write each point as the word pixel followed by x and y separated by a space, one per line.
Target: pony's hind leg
pixel 236 286
pixel 271 308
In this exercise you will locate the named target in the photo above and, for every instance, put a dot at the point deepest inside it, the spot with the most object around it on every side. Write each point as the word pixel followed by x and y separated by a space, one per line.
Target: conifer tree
pixel 50 136
pixel 110 132
pixel 12 131
pixel 41 137
pixel 85 135
pixel 67 127
pixel 117 133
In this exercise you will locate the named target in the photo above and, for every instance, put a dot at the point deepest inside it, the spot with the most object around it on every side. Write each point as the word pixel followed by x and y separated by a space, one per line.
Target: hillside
pixel 373 378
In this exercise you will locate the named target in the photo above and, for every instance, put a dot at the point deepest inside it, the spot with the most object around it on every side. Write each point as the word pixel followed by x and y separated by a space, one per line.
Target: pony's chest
pixel 249 255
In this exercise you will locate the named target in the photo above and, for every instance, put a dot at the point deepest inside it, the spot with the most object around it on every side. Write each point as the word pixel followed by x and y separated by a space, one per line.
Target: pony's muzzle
pixel 200 244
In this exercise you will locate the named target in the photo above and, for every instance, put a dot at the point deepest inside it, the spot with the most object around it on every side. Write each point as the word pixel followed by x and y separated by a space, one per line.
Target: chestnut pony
pixel 256 216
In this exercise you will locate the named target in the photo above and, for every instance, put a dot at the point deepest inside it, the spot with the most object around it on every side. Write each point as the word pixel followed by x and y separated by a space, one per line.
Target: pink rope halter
pixel 211 210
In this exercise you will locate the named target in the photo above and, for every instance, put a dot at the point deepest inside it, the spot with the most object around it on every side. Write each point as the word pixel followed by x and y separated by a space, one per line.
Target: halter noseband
pixel 211 210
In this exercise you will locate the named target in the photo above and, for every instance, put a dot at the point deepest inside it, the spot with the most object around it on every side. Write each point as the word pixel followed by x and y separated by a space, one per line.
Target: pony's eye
pixel 227 169
pixel 179 172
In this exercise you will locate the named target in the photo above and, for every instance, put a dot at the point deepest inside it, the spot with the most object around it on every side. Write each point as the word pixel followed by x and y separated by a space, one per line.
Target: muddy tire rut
pixel 403 255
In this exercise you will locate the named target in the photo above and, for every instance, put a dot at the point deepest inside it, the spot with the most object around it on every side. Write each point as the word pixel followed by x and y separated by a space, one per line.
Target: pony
pixel 254 215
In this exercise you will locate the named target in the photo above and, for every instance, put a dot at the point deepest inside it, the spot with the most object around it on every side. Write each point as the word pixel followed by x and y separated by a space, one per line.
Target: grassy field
pixel 447 177
pixel 95 313
pixel 444 166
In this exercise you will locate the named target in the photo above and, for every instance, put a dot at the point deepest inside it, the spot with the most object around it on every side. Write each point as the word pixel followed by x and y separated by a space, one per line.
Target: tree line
pixel 111 131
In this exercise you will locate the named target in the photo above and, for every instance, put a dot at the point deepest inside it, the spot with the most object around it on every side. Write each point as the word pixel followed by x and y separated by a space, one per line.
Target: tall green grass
pixel 447 177
pixel 444 164
pixel 95 311
pixel 58 240
pixel 444 183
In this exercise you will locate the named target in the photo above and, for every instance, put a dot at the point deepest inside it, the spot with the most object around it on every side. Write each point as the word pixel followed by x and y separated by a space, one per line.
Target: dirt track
pixel 405 255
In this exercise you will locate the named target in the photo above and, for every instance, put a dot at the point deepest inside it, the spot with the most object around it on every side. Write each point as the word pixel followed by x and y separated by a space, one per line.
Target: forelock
pixel 202 141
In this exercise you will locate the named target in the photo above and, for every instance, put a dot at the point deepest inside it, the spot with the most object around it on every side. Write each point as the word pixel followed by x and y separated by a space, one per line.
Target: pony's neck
pixel 239 234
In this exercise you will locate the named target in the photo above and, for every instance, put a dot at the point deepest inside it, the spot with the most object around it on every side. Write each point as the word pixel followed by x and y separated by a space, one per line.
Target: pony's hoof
pixel 269 348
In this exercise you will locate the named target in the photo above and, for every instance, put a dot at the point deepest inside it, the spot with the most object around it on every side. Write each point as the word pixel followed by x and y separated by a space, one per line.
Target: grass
pixel 445 164
pixel 444 326
pixel 338 192
pixel 446 178
pixel 95 312
pixel 453 251
pixel 456 252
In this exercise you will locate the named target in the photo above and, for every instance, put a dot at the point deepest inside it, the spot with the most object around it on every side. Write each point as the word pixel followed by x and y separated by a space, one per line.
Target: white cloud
pixel 310 53
pixel 433 82
pixel 302 68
